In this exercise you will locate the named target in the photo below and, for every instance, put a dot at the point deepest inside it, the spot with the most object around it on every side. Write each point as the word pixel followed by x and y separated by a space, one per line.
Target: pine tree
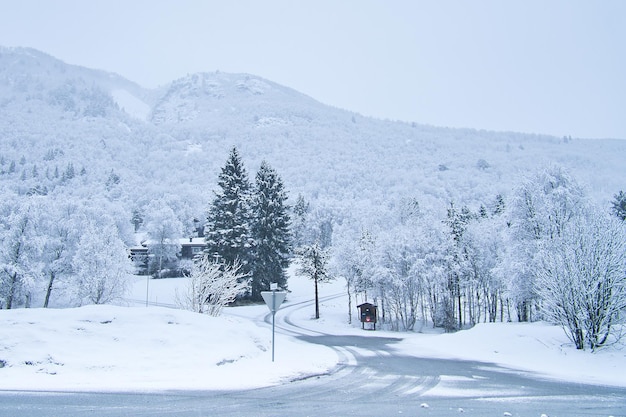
pixel 137 219
pixel 499 205
pixel 270 229
pixel 69 172
pixel 618 205
pixel 227 232
pixel 458 220
pixel 482 212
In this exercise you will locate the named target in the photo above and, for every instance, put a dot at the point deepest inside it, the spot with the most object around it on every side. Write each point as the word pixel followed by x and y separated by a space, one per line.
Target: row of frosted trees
pixel 545 253
pixel 55 251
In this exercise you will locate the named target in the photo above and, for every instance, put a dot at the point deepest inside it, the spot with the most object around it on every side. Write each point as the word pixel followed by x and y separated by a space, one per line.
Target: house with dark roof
pixel 189 249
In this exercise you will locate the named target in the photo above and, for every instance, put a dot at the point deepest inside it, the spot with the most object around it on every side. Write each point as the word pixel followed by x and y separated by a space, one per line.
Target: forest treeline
pixel 546 253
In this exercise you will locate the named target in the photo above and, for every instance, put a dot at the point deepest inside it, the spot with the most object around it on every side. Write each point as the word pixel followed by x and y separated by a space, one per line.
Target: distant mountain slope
pixel 28 75
pixel 170 143
pixel 204 99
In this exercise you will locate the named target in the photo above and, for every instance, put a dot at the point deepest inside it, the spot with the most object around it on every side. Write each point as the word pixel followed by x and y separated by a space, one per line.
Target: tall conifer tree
pixel 618 205
pixel 227 232
pixel 270 230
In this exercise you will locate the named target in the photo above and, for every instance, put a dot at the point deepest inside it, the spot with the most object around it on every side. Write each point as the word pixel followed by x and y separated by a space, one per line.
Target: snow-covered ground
pixel 120 348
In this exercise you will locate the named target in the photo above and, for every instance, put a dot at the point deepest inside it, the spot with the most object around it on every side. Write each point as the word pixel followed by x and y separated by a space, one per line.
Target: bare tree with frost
pixel 543 207
pixel 59 229
pixel 101 265
pixel 581 279
pixel 164 230
pixel 212 286
pixel 19 251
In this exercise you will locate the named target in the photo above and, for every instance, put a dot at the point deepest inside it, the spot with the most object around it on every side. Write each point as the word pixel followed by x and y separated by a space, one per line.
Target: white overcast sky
pixel 537 66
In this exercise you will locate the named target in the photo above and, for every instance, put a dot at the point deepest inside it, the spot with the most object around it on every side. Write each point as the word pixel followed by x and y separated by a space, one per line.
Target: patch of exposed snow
pixel 132 105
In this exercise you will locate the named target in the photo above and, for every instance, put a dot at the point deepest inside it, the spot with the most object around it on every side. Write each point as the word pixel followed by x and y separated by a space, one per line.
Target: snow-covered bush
pixel 212 286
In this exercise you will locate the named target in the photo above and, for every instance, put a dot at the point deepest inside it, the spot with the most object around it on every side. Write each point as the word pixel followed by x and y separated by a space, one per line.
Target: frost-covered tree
pixel 437 251
pixel 483 250
pixel 581 279
pixel 341 266
pixel 545 203
pixel 314 265
pixel 353 260
pixel 404 289
pixel 212 286
pixel 457 221
pixel 59 228
pixel 542 208
pixel 363 265
pixel 299 221
pixel 227 232
pixel 164 231
pixel 101 265
pixel 19 249
pixel 270 231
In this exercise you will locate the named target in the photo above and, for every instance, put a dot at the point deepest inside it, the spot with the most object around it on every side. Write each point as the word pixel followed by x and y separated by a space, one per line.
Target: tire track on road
pixel 353 376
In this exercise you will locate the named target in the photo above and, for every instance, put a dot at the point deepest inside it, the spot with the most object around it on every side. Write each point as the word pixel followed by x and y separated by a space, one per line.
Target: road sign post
pixel 273 299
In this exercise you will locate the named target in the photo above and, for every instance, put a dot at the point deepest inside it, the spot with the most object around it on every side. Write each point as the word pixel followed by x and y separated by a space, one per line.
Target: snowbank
pixel 540 348
pixel 109 348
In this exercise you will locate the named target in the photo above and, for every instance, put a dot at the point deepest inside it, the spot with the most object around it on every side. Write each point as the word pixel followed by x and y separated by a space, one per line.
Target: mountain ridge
pixel 170 142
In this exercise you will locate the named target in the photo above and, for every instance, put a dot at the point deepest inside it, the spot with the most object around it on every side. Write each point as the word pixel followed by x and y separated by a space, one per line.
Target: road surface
pixel 369 381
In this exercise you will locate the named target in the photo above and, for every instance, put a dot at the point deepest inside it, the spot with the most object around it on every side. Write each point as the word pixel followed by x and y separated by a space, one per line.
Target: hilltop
pixel 170 143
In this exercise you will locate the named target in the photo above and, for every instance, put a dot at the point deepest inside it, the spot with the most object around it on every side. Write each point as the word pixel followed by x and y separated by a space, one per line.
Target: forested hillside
pixel 173 140
pixel 91 151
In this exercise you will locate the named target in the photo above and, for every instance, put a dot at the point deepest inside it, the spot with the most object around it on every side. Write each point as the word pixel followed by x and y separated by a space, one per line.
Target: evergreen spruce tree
pixel 618 205
pixel 499 205
pixel 270 230
pixel 227 232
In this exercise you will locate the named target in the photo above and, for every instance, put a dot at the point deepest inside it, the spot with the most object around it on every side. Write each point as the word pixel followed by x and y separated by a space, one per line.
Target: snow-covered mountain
pixel 135 145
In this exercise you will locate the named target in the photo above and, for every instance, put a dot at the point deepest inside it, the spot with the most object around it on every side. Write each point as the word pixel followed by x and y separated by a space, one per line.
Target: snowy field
pixel 134 348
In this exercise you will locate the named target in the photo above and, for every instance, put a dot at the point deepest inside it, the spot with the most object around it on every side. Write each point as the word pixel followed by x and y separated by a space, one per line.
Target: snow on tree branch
pixel 212 286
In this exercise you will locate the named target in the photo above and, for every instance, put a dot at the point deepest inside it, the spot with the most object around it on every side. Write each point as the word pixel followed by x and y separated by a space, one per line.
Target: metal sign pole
pixel 273 322
pixel 273 299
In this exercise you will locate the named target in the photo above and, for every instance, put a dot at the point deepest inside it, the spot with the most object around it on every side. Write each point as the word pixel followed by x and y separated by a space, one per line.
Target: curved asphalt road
pixel 369 381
